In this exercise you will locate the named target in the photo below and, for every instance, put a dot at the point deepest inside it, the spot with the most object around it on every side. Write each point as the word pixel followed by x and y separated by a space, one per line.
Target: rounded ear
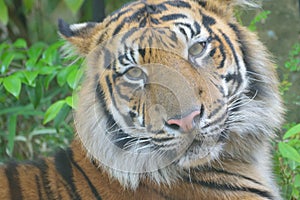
pixel 225 8
pixel 81 36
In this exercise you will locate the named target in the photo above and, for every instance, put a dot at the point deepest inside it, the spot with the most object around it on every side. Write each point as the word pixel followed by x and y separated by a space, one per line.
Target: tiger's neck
pixel 70 174
pixel 222 180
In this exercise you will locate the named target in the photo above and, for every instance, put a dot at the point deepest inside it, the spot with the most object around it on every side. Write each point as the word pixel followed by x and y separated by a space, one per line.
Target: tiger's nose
pixel 186 123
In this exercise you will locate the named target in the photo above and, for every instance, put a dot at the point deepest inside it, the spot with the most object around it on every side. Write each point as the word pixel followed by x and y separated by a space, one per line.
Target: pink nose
pixel 186 123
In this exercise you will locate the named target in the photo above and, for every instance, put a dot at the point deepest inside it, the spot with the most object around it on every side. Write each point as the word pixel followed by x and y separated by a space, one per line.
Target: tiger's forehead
pixel 154 13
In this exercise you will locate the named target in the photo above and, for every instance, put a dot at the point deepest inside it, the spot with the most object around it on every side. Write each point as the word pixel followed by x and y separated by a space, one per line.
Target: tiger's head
pixel 172 85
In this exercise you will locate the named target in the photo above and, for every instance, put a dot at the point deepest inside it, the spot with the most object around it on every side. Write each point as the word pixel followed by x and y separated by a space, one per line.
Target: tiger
pixel 179 101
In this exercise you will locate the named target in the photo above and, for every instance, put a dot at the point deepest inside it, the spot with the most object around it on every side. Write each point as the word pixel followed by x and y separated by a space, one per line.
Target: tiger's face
pixel 171 84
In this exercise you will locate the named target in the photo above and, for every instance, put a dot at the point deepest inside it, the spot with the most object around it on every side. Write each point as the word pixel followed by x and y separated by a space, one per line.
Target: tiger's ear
pixel 241 3
pixel 82 37
pixel 225 8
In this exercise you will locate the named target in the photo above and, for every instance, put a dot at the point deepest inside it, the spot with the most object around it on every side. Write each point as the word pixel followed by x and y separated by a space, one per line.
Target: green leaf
pixel 35 51
pixel 48 79
pixel 6 60
pixel 297 180
pixel 12 124
pixel 53 110
pixel 45 70
pixel 74 5
pixel 35 94
pixel 61 116
pixel 63 74
pixel 30 77
pixel 51 56
pixel 74 77
pixel 30 63
pixel 12 84
pixel 292 131
pixel 20 43
pixel 3 12
pixel 70 101
pixel 288 151
pixel 3 46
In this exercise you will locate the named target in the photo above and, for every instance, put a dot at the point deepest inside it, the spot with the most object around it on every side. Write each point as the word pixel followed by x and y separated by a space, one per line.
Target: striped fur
pixel 69 175
pixel 179 102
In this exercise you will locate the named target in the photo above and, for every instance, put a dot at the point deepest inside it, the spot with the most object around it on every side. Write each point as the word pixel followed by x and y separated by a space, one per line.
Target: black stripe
pixel 131 51
pixel 229 187
pixel 222 171
pixel 232 48
pixel 215 111
pixel 134 17
pixel 108 58
pixel 179 4
pixel 173 17
pixel 121 139
pixel 229 77
pixel 221 48
pixel 159 8
pixel 207 21
pixel 12 175
pixel 255 86
pixel 118 28
pixel 235 174
pixel 212 52
pixel 43 167
pixel 100 96
pixel 187 26
pixel 161 140
pixel 110 89
pixel 143 22
pixel 142 12
pixel 215 121
pixel 92 187
pixel 116 18
pixel 129 33
pixel 154 21
pixel 184 33
pixel 173 36
pixel 142 52
pixel 197 27
pixel 129 54
pixel 64 168
pixel 122 58
pixel 202 3
pixel 39 189
pixel 237 77
pixel 143 114
pixel 132 114
pixel 101 38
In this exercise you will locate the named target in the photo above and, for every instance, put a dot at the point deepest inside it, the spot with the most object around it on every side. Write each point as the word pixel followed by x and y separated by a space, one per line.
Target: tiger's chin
pixel 199 154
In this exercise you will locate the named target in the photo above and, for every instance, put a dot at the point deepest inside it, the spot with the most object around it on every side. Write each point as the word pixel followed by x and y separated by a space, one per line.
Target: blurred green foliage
pixel 37 84
pixel 35 88
pixel 287 154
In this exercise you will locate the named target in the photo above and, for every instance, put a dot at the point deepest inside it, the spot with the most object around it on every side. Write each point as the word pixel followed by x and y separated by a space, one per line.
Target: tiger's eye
pixel 135 73
pixel 197 48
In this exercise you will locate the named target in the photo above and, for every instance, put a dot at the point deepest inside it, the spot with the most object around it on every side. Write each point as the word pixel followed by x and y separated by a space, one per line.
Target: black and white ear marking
pixel 75 30
pixel 64 28
pixel 80 36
